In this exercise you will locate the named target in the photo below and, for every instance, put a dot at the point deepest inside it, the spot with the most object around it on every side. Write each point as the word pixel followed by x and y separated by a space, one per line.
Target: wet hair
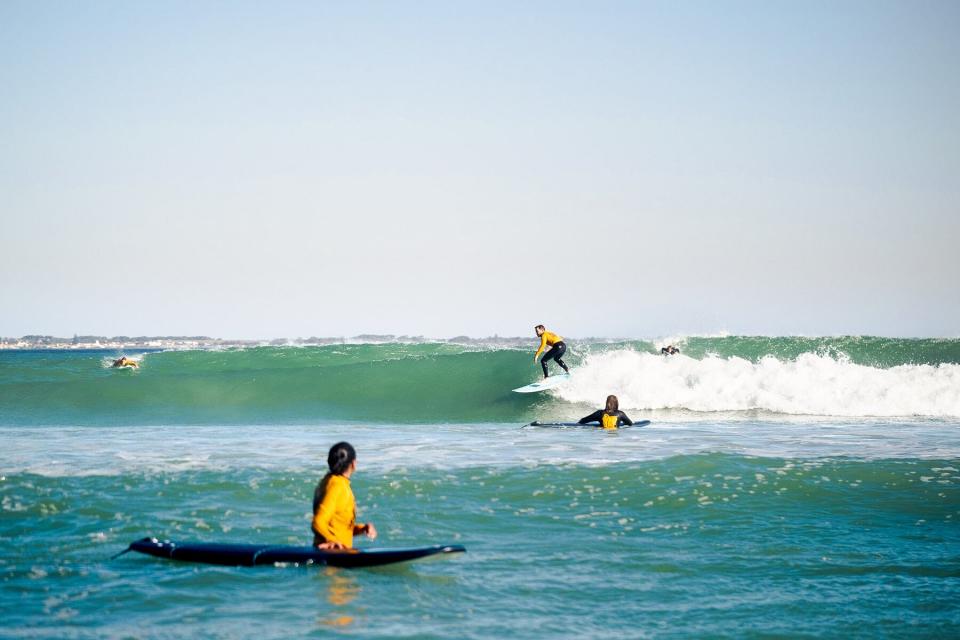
pixel 539 326
pixel 340 457
pixel 613 405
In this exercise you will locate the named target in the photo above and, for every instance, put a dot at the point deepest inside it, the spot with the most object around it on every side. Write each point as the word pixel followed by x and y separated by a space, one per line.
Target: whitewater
pixel 810 384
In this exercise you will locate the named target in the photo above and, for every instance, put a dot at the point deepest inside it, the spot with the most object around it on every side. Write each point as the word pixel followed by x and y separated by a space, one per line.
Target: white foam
pixel 301 450
pixel 810 385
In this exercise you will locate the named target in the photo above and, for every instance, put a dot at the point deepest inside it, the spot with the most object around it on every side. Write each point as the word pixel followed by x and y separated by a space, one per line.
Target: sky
pixel 609 169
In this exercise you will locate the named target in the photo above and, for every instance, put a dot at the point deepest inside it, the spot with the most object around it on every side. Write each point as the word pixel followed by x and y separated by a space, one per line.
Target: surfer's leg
pixel 561 348
pixel 552 353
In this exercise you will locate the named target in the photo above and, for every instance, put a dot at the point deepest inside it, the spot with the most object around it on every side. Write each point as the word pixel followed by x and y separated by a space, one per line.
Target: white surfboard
pixel 543 385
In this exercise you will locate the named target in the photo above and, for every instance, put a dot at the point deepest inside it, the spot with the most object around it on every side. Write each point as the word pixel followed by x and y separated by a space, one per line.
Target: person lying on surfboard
pixel 610 417
pixel 124 361
pixel 557 348
pixel 334 507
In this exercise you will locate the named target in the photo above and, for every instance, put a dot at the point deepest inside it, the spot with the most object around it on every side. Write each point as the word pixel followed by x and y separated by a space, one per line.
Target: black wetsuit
pixel 597 416
pixel 556 351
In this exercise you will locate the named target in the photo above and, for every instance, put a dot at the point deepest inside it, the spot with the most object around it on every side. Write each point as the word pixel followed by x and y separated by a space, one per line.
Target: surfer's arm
pixel 625 419
pixel 593 417
pixel 543 344
pixel 365 530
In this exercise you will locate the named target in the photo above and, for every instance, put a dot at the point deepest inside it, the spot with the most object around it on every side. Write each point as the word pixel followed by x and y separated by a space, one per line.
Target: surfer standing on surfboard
pixel 557 348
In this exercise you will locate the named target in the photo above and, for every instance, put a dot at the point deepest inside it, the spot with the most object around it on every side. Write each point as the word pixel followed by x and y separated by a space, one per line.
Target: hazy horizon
pixel 447 338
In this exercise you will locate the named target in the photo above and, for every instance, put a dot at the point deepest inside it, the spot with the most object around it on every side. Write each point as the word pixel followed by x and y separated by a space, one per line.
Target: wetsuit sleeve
pixel 593 417
pixel 323 518
pixel 543 344
pixel 625 419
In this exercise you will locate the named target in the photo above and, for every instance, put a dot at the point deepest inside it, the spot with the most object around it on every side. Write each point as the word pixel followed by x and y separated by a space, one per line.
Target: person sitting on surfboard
pixel 124 361
pixel 557 348
pixel 334 507
pixel 609 418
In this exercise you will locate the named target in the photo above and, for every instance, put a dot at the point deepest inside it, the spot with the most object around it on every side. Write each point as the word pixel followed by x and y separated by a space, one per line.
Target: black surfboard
pixel 248 555
pixel 561 425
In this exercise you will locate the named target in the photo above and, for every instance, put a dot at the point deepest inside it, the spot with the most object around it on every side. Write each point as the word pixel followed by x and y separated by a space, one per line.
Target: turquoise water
pixel 438 383
pixel 742 519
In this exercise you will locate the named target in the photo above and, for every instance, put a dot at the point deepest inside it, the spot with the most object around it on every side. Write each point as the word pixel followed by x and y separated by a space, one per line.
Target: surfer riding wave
pixel 557 348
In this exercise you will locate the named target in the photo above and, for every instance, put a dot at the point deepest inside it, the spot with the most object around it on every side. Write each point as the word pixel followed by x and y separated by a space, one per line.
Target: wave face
pixel 442 382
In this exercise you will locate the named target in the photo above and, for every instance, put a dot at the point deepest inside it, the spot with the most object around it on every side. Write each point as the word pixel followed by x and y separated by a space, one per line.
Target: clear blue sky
pixel 609 169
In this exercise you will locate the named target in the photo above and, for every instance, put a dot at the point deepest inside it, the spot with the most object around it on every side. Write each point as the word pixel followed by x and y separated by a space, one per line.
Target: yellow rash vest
pixel 336 514
pixel 547 339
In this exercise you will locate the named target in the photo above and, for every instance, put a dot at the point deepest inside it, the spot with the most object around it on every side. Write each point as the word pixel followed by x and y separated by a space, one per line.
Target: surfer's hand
pixel 370 531
pixel 331 546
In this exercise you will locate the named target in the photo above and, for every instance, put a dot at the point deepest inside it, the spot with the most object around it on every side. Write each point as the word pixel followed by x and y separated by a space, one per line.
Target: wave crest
pixel 810 384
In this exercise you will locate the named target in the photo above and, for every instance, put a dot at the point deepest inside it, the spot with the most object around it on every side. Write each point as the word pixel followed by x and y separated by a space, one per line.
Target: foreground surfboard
pixel 248 555
pixel 547 383
pixel 592 425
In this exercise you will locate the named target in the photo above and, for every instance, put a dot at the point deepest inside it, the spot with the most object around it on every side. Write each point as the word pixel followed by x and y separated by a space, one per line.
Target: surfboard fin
pixel 127 550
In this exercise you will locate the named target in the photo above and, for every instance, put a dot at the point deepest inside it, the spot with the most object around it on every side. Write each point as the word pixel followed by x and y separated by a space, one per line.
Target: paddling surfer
pixel 610 417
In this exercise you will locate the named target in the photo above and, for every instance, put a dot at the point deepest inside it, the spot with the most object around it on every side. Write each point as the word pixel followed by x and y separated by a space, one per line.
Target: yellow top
pixel 547 339
pixel 335 517
pixel 609 422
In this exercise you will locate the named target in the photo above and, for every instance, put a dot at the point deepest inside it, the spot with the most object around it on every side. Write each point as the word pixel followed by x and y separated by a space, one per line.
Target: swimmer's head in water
pixel 613 405
pixel 341 456
pixel 539 329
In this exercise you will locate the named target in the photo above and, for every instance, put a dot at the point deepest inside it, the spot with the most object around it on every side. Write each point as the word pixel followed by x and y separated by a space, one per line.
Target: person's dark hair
pixel 340 457
pixel 613 405
pixel 539 326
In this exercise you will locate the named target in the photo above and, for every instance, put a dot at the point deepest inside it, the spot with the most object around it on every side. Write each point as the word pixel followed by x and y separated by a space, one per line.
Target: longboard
pixel 592 425
pixel 543 385
pixel 248 555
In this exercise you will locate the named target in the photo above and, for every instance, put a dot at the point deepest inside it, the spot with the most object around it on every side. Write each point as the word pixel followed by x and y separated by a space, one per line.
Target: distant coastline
pixel 33 342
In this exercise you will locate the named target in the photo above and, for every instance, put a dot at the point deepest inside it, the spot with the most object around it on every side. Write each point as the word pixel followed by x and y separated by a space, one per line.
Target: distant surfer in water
pixel 334 507
pixel 124 361
pixel 609 417
pixel 669 350
pixel 557 348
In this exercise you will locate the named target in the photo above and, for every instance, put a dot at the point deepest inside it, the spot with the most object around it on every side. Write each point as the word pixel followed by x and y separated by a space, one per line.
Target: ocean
pixel 787 487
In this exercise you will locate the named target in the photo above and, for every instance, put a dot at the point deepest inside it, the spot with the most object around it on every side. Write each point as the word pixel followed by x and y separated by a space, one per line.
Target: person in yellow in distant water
pixel 557 348
pixel 610 417
pixel 334 507
pixel 124 361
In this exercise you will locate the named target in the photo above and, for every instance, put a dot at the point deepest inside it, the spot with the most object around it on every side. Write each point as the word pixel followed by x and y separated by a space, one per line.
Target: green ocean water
pixel 788 488
pixel 449 382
